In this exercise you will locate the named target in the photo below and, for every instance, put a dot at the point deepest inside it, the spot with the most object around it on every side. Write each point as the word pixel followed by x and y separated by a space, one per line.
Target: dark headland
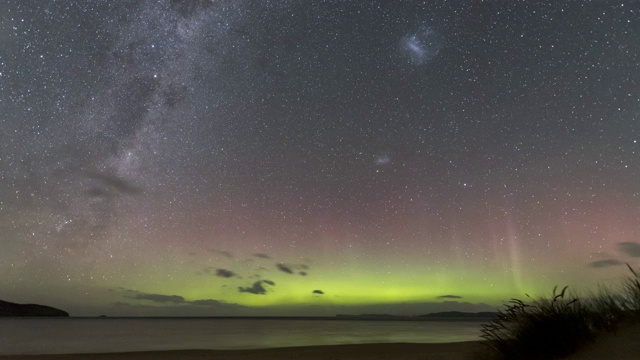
pixel 9 309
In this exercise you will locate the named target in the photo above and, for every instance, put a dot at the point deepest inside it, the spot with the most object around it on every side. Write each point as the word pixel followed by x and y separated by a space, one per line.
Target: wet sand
pixel 452 351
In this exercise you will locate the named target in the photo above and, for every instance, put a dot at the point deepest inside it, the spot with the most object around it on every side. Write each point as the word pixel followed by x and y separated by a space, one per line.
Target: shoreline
pixel 621 344
pixel 288 318
pixel 406 351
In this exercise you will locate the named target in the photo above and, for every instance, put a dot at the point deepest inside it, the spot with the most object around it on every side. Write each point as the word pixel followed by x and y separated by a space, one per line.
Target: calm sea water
pixel 57 336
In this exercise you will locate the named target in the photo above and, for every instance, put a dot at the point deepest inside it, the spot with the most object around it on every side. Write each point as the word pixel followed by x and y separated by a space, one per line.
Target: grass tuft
pixel 555 327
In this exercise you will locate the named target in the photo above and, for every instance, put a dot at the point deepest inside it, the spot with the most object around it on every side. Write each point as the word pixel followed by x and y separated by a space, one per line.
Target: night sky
pixel 315 157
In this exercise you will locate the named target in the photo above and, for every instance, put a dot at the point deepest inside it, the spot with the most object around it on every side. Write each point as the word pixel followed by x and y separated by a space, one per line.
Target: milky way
pixel 315 157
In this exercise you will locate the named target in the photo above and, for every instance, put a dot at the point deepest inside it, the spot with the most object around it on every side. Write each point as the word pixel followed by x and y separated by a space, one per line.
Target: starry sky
pixel 174 157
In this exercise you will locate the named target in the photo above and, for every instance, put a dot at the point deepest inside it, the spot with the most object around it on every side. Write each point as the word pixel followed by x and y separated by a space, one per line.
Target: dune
pixel 624 344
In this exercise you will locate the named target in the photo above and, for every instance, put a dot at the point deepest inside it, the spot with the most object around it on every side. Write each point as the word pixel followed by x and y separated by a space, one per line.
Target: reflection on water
pixel 50 336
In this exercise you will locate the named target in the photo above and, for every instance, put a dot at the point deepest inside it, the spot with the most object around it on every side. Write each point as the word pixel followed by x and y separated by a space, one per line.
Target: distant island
pixel 442 316
pixel 461 315
pixel 9 309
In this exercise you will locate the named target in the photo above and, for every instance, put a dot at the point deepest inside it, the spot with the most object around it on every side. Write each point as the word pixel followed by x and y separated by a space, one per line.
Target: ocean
pixel 91 335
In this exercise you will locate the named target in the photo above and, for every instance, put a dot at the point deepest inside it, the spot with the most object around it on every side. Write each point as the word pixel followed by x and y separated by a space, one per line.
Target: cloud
pixel 605 263
pixel 224 273
pixel 96 192
pixel 303 273
pixel 223 253
pixel 206 302
pixel 319 292
pixel 159 298
pixel 284 268
pixel 630 248
pixel 112 181
pixel 205 307
pixel 257 288
pixel 135 308
pixel 84 220
pixel 449 297
pixel 170 299
pixel 262 256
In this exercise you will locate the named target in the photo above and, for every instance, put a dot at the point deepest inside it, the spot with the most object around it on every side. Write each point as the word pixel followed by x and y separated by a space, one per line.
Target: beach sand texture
pixel 622 345
pixel 452 351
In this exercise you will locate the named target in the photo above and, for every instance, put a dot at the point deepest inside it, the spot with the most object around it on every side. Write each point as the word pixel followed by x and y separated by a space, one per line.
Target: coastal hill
pixel 13 309
pixel 442 316
pixel 461 315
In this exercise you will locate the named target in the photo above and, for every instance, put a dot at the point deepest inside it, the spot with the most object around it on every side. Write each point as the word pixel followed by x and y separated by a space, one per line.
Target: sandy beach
pixel 622 345
pixel 449 351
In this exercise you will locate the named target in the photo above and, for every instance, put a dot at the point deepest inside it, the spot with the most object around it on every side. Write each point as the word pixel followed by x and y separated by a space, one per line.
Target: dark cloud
pixel 262 256
pixel 206 302
pixel 284 268
pixel 89 217
pixel 159 298
pixel 256 288
pixel 112 181
pixel 174 94
pixel 224 273
pixel 449 297
pixel 319 292
pixel 630 248
pixel 225 309
pixel 303 273
pixel 223 253
pixel 605 263
pixel 205 307
pixel 169 299
pixel 96 192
